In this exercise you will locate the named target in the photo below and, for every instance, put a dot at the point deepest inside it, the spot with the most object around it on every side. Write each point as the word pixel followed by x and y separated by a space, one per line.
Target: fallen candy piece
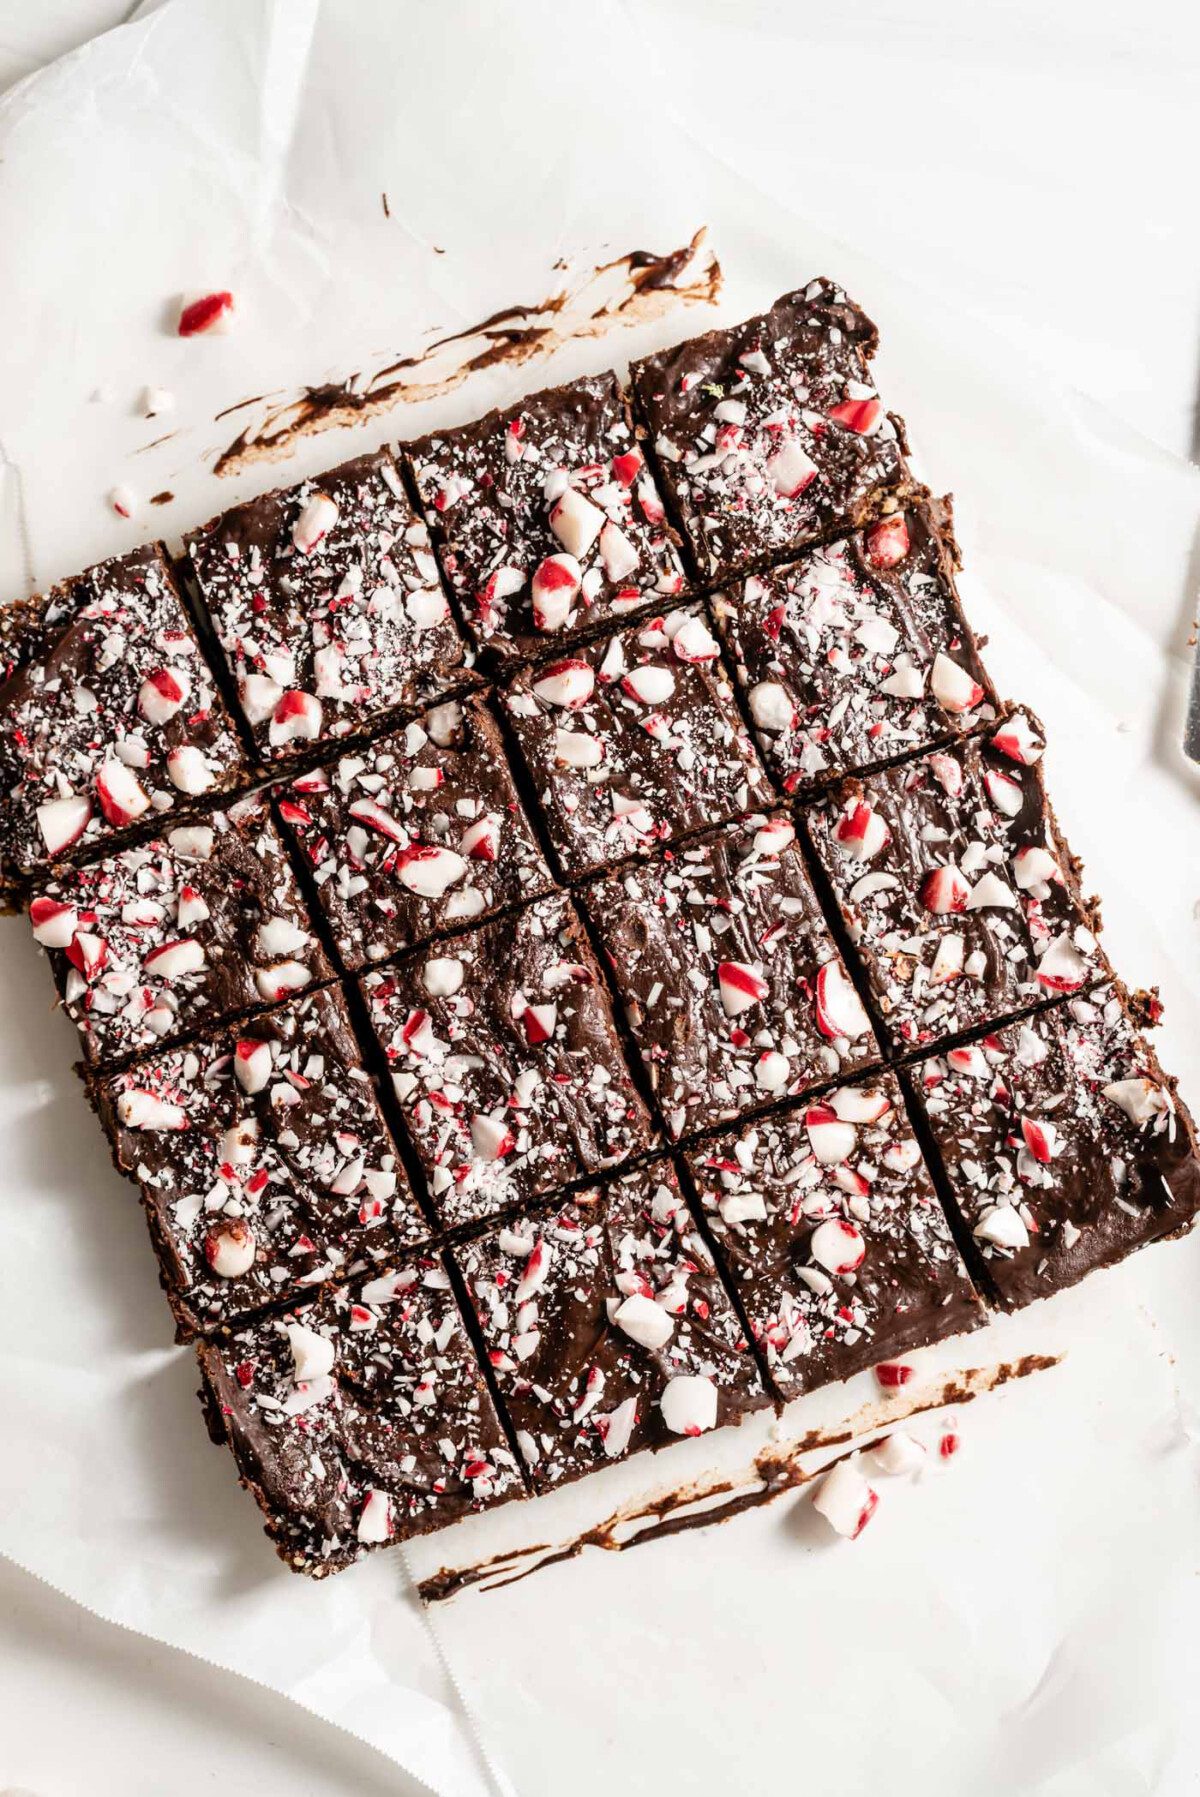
pixel 845 1499
pixel 205 314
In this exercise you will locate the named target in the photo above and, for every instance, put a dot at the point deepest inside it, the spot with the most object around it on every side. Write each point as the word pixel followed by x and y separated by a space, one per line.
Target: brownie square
pixel 608 1328
pixel 547 517
pixel 829 1226
pixel 1064 1143
pixel 960 897
pixel 326 602
pixel 506 1062
pixel 734 990
pixel 263 1161
pixel 177 935
pixel 770 434
pixel 633 741
pixel 417 832
pixel 858 652
pixel 359 1419
pixel 110 718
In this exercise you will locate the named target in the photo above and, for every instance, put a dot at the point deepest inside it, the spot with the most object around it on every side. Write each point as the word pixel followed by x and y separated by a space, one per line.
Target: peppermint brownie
pixel 110 718
pixel 263 1161
pixel 416 832
pixel 858 652
pixel 828 1222
pixel 633 741
pixel 178 934
pixel 771 434
pixel 734 990
pixel 1064 1143
pixel 607 1327
pixel 359 1419
pixel 326 602
pixel 959 895
pixel 506 1063
pixel 547 517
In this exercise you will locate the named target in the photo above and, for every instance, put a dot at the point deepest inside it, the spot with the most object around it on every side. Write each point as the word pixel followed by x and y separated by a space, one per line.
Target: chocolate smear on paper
pixel 705 1502
pixel 631 289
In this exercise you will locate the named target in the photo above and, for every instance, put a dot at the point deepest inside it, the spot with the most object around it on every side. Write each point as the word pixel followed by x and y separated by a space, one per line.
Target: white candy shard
pixel 317 518
pixel 644 1321
pixel 576 522
pixel 689 1404
pixel 1002 1227
pixel 375 1517
pixel 312 1354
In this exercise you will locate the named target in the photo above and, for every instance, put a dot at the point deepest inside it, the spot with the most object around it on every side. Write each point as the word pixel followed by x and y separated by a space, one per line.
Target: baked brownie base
pixel 770 435
pixel 858 653
pixel 177 935
pixel 359 1419
pixel 1063 1144
pixel 263 1161
pixel 506 1063
pixel 608 1328
pixel 833 1237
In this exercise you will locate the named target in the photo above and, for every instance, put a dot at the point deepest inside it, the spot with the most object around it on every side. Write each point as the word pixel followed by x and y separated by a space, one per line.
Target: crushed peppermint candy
pixel 835 652
pixel 200 925
pixel 958 894
pixel 417 832
pixel 771 434
pixel 1063 1143
pixel 110 718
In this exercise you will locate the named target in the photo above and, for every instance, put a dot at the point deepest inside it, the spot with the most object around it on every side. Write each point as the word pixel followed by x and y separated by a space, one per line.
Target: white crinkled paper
pixel 1022 1618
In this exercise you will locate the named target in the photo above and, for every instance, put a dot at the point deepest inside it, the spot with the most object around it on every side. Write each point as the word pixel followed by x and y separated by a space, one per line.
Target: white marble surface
pixel 1034 162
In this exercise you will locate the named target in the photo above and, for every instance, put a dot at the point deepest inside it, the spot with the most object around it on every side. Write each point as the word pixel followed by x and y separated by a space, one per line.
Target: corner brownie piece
pixel 608 1328
pixel 858 652
pixel 177 935
pixel 734 990
pixel 417 832
pixel 633 741
pixel 111 716
pixel 770 434
pixel 326 601
pixel 959 895
pixel 263 1161
pixel 360 1419
pixel 506 1062
pixel 547 517
pixel 1064 1143
pixel 828 1222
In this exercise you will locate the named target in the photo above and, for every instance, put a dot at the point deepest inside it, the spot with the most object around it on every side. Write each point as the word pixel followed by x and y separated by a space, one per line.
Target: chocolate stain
pixel 631 289
pixel 163 498
pixel 775 1471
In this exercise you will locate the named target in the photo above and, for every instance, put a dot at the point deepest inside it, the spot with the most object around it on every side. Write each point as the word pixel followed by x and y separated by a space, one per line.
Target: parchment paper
pixel 1024 1618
